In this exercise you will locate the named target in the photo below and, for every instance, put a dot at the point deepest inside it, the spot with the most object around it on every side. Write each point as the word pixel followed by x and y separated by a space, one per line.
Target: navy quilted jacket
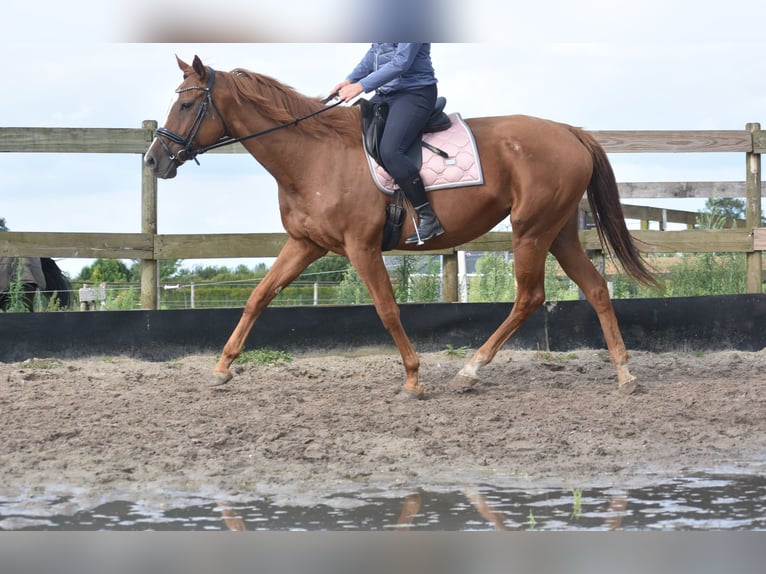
pixel 388 67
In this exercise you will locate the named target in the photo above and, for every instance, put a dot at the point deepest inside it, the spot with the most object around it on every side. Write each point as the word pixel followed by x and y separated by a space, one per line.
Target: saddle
pixel 374 116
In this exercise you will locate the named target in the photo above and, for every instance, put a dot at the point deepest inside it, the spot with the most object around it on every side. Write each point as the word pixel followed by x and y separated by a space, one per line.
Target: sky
pixel 600 65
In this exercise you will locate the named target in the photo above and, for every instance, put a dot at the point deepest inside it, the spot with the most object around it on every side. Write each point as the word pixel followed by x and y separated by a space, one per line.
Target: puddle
pixel 703 502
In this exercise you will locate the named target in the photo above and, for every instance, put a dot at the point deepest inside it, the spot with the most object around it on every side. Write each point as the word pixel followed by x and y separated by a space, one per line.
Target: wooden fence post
pixel 753 214
pixel 449 278
pixel 150 283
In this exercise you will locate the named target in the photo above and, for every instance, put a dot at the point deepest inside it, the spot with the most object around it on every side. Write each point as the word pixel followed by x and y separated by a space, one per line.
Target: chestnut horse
pixel 535 170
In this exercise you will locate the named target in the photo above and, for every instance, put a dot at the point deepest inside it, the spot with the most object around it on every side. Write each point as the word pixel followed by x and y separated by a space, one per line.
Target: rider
pixel 403 77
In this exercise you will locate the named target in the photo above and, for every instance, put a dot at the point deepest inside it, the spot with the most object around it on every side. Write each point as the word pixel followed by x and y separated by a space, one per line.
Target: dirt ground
pixel 319 425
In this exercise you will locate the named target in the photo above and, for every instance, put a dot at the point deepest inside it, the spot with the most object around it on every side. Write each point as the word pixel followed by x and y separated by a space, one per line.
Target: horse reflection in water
pixel 535 172
pixel 412 504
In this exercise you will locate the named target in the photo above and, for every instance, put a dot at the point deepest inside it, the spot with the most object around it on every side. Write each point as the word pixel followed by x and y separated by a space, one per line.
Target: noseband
pixel 186 142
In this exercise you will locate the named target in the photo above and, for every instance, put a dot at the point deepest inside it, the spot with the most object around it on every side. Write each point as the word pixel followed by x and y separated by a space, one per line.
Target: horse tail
pixel 604 199
pixel 56 283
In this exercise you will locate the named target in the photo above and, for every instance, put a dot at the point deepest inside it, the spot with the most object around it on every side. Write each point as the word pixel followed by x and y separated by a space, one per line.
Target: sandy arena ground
pixel 115 427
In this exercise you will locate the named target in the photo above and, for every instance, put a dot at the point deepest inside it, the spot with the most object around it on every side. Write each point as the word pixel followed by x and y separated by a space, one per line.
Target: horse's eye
pixel 186 105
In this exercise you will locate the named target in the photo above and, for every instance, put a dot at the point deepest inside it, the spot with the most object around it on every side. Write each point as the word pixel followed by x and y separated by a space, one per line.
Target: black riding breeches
pixel 408 113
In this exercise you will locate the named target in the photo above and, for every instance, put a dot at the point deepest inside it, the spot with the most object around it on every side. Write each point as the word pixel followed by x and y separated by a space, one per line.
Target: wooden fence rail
pixel 150 247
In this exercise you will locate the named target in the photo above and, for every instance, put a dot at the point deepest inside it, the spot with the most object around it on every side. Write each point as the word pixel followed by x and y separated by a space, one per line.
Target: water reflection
pixel 412 505
pixel 702 502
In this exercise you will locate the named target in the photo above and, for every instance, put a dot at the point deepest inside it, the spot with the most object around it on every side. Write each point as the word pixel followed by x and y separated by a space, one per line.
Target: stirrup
pixel 415 237
pixel 420 240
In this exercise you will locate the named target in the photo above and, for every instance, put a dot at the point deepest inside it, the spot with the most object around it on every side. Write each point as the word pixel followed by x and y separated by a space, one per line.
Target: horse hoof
pixel 217 379
pixel 627 387
pixel 462 384
pixel 410 394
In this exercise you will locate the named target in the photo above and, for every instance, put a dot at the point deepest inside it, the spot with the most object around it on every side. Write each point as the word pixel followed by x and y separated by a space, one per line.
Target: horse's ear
pixel 199 67
pixel 181 64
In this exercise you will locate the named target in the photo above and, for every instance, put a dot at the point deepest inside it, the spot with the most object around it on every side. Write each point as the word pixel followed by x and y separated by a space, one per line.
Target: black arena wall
pixel 660 325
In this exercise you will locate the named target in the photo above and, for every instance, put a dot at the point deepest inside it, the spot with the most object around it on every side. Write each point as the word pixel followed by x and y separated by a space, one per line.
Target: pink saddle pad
pixel 461 168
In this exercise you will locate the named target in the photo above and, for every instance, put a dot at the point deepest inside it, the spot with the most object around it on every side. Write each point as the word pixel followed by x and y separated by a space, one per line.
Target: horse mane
pixel 283 104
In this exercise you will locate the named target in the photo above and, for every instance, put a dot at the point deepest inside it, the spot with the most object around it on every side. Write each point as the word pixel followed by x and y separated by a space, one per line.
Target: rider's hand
pixel 348 91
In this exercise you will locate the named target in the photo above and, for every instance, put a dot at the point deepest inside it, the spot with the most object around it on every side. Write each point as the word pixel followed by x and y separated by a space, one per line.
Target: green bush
pixel 707 274
pixel 494 280
pixel 426 287
pixel 352 290
pixel 16 291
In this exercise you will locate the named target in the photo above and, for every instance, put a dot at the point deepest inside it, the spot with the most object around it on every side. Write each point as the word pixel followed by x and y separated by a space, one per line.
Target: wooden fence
pixel 150 247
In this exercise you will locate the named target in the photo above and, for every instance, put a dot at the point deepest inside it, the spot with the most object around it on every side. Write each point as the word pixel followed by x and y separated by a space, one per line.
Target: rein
pixel 230 140
pixel 207 101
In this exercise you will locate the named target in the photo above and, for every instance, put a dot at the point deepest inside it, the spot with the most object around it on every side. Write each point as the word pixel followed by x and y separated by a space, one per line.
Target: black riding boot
pixel 428 225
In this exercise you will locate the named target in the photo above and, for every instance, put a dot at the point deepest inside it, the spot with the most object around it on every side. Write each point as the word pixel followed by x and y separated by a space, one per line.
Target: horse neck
pixel 279 151
pixel 275 150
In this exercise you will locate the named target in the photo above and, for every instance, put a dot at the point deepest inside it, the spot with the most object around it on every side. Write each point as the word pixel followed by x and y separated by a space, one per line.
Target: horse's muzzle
pixel 159 162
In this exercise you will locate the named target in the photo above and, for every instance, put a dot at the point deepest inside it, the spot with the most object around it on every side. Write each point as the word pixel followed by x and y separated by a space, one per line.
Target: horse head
pixel 193 122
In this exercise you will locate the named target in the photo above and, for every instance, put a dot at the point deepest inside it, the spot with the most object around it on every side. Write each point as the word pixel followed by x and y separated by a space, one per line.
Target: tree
pixel 426 286
pixel 105 271
pixel 401 275
pixel 203 273
pixel 2 224
pixel 168 269
pixel 722 208
pixel 728 207
pixel 327 269
pixel 718 210
pixel 352 290
pixel 494 279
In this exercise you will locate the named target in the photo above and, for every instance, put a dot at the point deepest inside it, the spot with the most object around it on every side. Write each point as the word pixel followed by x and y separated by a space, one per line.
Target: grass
pixel 576 503
pixel 16 291
pixel 263 357
pixel 460 352
pixel 41 363
pixel 556 357
pixel 532 521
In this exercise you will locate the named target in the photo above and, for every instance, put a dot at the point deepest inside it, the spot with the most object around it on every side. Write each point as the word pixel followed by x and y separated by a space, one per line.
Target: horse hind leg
pixel 574 261
pixel 529 260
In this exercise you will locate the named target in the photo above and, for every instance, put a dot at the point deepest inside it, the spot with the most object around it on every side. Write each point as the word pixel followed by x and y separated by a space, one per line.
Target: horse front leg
pixel 294 257
pixel 371 269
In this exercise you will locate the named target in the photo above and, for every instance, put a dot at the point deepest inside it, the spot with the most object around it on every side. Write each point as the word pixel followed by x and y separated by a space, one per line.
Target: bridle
pixel 186 142
pixel 226 139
